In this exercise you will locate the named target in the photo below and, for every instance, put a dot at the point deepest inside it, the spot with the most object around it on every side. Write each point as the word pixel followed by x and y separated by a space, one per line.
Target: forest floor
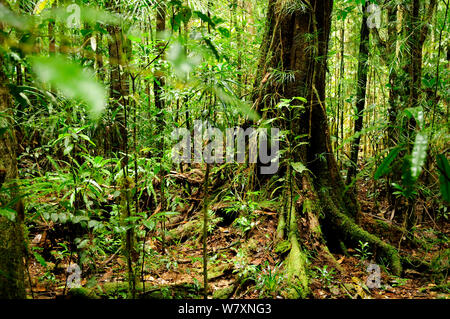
pixel 245 265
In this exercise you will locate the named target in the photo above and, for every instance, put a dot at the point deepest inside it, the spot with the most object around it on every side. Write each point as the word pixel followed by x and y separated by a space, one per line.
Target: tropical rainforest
pixel 120 177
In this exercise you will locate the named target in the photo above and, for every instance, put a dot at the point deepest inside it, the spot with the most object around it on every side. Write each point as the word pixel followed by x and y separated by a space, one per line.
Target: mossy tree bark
pixel 12 246
pixel 294 64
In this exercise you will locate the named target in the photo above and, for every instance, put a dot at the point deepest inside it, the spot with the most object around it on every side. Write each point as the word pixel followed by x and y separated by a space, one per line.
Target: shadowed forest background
pixel 92 204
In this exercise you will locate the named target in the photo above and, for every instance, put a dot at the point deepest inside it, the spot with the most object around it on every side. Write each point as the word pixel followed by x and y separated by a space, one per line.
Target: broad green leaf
pixel 384 167
pixel 8 213
pixel 224 31
pixel 54 217
pixel 302 99
pixel 149 224
pixel 40 259
pixel 419 154
pixel 72 80
pixel 407 178
pixel 134 38
pixel 68 149
pixel 205 18
pixel 63 217
pixel 79 14
pixel 83 243
pixel 444 176
pixel 92 223
pixel 3 130
pixel 299 167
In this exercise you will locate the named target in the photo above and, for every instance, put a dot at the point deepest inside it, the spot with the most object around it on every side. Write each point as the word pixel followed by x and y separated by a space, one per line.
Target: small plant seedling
pixel 325 275
pixel 363 251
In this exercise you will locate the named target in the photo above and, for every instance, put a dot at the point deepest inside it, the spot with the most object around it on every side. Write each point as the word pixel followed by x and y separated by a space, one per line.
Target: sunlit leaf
pixel 40 259
pixel 419 154
pixel 73 81
pixel 8 213
pixel 40 6
pixel 299 167
pixel 182 63
pixel 384 167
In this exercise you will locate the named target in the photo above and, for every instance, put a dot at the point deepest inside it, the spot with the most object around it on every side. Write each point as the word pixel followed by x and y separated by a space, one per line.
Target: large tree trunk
pixel 12 245
pixel 291 49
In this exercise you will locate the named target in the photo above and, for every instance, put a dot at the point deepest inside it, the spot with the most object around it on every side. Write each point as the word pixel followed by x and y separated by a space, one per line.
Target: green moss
pixel 223 293
pixel 296 271
pixel 283 247
pixel 82 293
pixel 352 232
pixel 281 225
pixel 252 245
pixel 383 224
pixel 218 270
pixel 296 262
pixel 118 289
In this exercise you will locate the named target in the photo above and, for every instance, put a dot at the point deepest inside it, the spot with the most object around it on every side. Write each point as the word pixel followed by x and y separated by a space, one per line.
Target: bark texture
pixel 12 245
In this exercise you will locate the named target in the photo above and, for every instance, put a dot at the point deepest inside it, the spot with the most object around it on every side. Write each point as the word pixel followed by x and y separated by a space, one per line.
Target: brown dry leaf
pixel 335 290
pixel 341 260
pixel 257 261
pixel 37 239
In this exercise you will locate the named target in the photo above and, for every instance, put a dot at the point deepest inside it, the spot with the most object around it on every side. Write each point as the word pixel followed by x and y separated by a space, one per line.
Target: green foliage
pixel 325 275
pixel 418 155
pixel 384 167
pixel 299 167
pixel 363 251
pixel 444 176
pixel 72 80
pixel 244 224
pixel 96 169
pixel 269 280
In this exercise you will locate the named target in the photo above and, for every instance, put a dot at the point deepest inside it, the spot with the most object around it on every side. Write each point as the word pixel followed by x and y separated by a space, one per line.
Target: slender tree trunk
pixel 119 54
pixel 119 88
pixel 341 104
pixel 159 81
pixel 360 93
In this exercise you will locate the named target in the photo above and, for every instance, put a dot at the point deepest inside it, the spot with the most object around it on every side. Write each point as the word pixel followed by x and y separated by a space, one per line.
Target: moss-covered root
pixel 354 233
pixel 281 226
pixel 296 271
pixel 296 261
pixel 116 289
